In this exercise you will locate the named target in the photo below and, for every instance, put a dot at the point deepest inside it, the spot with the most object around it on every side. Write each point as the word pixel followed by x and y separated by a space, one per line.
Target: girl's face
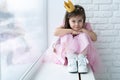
pixel 76 23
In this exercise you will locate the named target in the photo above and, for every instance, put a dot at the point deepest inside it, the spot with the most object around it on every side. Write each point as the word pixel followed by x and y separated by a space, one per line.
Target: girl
pixel 74 47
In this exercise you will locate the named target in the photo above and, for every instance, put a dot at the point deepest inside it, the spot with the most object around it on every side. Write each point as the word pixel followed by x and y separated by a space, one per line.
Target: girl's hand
pixel 78 32
pixel 83 30
pixel 75 32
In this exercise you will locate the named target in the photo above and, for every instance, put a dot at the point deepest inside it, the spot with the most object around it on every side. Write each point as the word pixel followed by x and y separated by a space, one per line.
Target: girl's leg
pixel 68 44
pixel 82 52
pixel 83 43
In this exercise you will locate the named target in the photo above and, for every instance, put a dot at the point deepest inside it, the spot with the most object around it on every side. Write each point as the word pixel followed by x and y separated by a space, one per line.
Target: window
pixel 24 30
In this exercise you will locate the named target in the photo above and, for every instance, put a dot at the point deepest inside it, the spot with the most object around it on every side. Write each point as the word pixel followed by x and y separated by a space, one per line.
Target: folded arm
pixel 60 31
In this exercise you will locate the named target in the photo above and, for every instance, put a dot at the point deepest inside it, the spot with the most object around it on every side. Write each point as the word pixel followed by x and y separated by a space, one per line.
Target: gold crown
pixel 69 6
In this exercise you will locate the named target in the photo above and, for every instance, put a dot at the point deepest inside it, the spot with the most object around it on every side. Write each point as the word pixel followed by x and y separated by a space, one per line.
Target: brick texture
pixel 104 16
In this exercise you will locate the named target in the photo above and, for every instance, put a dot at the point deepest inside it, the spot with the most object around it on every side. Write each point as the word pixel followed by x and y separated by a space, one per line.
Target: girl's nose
pixel 76 23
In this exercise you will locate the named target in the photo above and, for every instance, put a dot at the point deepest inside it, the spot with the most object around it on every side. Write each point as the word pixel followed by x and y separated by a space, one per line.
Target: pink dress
pixel 57 52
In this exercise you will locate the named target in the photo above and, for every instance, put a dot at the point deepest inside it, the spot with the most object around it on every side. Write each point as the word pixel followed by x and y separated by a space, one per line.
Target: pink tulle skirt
pixel 57 52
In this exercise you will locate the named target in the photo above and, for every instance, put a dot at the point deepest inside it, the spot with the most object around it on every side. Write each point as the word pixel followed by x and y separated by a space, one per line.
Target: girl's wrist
pixel 70 31
pixel 73 32
pixel 84 30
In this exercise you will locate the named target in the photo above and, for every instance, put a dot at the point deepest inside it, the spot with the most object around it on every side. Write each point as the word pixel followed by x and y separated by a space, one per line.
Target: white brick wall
pixel 104 16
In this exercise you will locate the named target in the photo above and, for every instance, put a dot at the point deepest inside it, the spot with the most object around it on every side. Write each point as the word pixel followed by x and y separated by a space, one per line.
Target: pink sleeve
pixel 88 26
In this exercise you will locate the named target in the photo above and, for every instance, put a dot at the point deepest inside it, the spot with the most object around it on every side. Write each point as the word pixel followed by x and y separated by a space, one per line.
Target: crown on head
pixel 69 6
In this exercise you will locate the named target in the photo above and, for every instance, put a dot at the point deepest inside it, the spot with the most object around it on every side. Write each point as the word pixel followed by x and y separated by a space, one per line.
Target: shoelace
pixel 83 61
pixel 71 62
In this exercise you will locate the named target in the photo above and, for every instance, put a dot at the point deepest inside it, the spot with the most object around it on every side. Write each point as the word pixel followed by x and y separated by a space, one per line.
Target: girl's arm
pixel 60 31
pixel 92 34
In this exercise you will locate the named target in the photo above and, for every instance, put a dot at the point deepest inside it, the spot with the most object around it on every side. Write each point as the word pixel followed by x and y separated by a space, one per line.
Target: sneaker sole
pixel 83 71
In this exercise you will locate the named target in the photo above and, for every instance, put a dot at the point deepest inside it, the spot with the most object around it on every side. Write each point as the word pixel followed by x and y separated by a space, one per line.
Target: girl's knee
pixel 83 35
pixel 83 38
pixel 65 37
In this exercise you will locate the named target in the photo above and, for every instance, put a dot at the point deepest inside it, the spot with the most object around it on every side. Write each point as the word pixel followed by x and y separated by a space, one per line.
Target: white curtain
pixel 32 16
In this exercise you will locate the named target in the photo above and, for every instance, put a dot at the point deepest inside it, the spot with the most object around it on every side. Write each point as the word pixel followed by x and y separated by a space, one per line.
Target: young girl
pixel 74 47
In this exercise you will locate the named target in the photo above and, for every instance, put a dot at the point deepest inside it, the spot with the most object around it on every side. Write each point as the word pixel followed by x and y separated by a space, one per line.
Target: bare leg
pixel 84 52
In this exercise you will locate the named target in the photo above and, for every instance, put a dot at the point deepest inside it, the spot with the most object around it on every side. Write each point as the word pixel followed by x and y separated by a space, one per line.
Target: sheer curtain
pixel 32 15
pixel 23 28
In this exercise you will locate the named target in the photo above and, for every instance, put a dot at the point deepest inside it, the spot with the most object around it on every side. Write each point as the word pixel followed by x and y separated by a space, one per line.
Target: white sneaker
pixel 82 64
pixel 72 62
pixel 72 65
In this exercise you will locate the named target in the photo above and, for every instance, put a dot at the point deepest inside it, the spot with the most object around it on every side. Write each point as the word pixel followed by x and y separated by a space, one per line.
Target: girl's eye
pixel 80 20
pixel 73 21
